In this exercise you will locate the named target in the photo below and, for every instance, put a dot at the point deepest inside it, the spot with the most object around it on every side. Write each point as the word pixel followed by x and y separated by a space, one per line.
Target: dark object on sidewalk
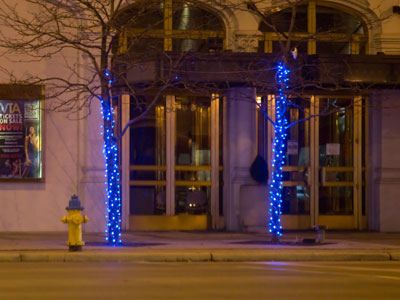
pixel 320 233
pixel 259 169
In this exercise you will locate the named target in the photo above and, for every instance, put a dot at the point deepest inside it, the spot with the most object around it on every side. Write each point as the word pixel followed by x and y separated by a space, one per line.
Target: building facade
pixel 186 164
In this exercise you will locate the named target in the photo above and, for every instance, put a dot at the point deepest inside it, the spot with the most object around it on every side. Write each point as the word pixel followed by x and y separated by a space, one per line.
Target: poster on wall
pixel 20 139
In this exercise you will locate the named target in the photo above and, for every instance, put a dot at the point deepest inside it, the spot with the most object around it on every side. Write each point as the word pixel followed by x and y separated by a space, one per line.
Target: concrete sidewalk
pixel 203 246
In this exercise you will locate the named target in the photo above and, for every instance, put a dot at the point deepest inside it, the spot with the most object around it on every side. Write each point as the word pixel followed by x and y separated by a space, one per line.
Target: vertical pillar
pixel 125 162
pixel 384 166
pixel 92 180
pixel 239 150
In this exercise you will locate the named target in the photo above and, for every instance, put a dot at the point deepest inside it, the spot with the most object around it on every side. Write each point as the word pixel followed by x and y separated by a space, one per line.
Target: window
pixel 318 29
pixel 170 25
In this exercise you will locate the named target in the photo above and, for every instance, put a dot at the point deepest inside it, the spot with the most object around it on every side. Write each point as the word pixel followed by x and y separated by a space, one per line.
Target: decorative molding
pixel 388 44
pixel 246 41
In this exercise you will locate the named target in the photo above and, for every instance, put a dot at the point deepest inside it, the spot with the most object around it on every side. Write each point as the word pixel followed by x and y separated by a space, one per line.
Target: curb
pixel 9 257
pixel 137 257
pixel 42 257
pixel 302 256
pixel 395 255
pixel 249 255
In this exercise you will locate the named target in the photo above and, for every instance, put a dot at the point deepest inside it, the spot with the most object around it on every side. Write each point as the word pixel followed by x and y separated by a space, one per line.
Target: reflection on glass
pixel 335 21
pixel 147 200
pixel 336 200
pixel 336 132
pixel 338 176
pixel 335 30
pixel 282 20
pixel 193 131
pixel 363 48
pixel 336 150
pixel 333 47
pixel 201 175
pixel 296 199
pixel 149 16
pixel 189 17
pixel 147 158
pixel 148 136
pixel 193 145
pixel 147 174
pixel 198 45
pixel 298 136
pixel 145 45
pixel 192 200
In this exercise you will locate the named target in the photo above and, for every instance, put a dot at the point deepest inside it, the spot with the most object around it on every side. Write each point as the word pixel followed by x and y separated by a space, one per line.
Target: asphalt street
pixel 206 280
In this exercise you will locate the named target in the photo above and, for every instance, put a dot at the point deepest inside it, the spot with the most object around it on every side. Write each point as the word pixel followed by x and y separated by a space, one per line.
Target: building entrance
pixel 323 176
pixel 174 155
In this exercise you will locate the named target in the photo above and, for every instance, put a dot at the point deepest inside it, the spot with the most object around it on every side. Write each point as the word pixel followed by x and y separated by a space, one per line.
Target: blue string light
pixel 275 191
pixel 112 175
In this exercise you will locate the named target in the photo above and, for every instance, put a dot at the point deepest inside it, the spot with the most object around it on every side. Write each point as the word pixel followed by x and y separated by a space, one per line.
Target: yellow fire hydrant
pixel 74 221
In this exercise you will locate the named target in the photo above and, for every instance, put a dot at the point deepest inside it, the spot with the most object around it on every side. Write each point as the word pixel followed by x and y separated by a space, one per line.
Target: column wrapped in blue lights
pixel 112 175
pixel 280 126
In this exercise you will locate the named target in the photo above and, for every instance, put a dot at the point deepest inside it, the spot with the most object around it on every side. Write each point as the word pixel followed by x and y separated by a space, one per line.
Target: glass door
pixel 297 192
pixel 192 155
pixel 297 195
pixel 174 165
pixel 323 173
pixel 339 162
pixel 147 161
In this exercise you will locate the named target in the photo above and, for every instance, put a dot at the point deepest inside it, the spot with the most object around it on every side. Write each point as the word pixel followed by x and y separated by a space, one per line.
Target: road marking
pixel 296 267
pixel 387 277
pixel 349 268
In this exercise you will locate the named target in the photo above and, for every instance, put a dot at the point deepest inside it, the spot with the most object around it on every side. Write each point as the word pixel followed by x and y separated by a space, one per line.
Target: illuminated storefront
pixel 185 165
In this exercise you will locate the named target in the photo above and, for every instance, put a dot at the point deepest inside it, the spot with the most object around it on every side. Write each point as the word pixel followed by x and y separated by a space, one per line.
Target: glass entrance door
pixel 323 179
pixel 174 171
pixel 193 155
pixel 340 162
pixel 297 205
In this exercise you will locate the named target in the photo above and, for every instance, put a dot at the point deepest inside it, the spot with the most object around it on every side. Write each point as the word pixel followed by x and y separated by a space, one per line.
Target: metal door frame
pixel 342 221
pixel 355 221
pixel 170 168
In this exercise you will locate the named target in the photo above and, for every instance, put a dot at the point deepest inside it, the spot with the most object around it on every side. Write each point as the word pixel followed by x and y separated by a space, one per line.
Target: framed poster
pixel 21 139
